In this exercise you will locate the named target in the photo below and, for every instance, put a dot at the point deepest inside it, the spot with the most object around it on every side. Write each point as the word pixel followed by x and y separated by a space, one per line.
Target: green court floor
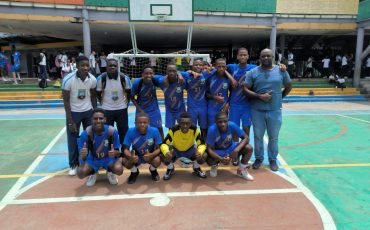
pixel 332 139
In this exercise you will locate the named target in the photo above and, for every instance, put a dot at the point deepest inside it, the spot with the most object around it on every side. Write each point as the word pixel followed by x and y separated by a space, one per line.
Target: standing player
pixel 196 88
pixel 113 91
pixel 222 149
pixel 218 87
pixel 240 108
pixel 144 97
pixel 183 140
pixel 144 141
pixel 99 148
pixel 173 89
pixel 15 67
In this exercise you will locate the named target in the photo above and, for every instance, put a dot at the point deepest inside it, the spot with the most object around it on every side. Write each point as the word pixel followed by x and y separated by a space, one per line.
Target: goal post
pixel 132 63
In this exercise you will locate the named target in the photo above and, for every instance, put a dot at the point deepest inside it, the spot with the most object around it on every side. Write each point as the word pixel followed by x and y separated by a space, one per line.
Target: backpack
pixel 43 83
pixel 108 134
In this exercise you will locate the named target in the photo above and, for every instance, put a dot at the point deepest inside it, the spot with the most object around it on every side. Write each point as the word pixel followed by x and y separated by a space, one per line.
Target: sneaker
pixel 198 172
pixel 133 176
pixel 236 162
pixel 169 174
pixel 47 79
pixel 15 83
pixel 91 180
pixel 257 164
pixel 155 175
pixel 112 178
pixel 244 174
pixel 213 171
pixel 4 79
pixel 72 171
pixel 273 166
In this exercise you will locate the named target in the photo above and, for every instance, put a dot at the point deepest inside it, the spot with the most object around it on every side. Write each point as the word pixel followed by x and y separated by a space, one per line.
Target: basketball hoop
pixel 161 17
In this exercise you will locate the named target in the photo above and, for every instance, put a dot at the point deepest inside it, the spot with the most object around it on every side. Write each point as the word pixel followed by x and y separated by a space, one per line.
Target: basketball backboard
pixel 161 10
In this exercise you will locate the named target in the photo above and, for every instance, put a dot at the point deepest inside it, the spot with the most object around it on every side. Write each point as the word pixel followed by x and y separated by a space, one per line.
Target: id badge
pixel 81 94
pixel 114 95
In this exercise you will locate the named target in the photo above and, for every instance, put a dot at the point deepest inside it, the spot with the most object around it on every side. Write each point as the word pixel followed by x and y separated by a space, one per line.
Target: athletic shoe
pixel 155 175
pixel 257 164
pixel 244 174
pixel 112 178
pixel 273 166
pixel 133 176
pixel 213 171
pixel 72 171
pixel 198 172
pixel 4 79
pixel 236 162
pixel 169 173
pixel 91 180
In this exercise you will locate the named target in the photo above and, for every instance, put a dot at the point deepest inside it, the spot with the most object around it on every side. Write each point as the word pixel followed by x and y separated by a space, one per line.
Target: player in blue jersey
pixel 173 89
pixel 218 89
pixel 144 97
pixel 222 149
pixel 144 142
pixel 196 87
pixel 98 147
pixel 240 108
pixel 15 67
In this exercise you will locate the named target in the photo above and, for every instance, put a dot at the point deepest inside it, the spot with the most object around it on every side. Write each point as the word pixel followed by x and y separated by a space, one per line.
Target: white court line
pixel 153 195
pixel 14 191
pixel 325 216
pixel 357 119
pixel 322 114
pixel 28 119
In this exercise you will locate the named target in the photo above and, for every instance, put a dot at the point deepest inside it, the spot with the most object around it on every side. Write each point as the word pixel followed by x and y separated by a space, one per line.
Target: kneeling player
pixel 222 149
pixel 183 140
pixel 94 150
pixel 144 141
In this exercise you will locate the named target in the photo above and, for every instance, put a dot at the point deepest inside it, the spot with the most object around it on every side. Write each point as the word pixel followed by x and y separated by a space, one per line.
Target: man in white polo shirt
pixel 113 92
pixel 79 97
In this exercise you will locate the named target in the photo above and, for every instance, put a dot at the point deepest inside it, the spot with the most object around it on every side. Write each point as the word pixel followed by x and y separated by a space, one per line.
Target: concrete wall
pixel 317 7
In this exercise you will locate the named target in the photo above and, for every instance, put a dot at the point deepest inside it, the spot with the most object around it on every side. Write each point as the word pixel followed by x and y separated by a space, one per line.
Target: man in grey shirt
pixel 264 86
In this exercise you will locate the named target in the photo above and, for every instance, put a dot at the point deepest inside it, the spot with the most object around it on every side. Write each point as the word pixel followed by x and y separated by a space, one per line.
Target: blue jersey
pixel 146 93
pixel 99 140
pixel 237 96
pixel 173 96
pixel 218 86
pixel 196 88
pixel 16 58
pixel 2 60
pixel 140 143
pixel 224 140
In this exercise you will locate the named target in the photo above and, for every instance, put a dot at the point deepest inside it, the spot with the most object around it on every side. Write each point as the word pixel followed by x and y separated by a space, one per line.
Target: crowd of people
pixel 212 127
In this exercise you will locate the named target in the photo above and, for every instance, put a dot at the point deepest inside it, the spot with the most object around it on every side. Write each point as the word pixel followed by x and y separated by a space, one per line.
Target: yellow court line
pixel 4 176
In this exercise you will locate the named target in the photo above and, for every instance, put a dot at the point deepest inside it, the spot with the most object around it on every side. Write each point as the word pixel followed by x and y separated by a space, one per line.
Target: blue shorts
pixel 155 118
pixel 239 112
pixel 171 117
pixel 96 164
pixel 187 154
pixel 15 68
pixel 198 116
pixel 227 151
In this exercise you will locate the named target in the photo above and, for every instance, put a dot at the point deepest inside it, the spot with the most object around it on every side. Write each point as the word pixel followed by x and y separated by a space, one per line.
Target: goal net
pixel 132 63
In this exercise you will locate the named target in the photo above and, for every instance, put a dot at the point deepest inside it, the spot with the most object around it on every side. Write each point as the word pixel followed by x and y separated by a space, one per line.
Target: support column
pixel 86 32
pixel 282 44
pixel 359 48
pixel 273 35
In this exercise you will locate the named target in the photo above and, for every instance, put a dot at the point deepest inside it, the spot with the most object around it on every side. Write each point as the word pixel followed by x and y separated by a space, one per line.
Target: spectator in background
pixel 367 70
pixel 325 66
pixel 344 66
pixel 337 63
pixel 92 62
pixel 42 64
pixel 309 71
pixel 291 63
pixel 103 62
pixel 15 64
pixel 58 63
pixel 3 67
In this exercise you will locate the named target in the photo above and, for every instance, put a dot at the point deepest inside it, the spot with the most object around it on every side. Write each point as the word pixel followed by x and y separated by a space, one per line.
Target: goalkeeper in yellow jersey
pixel 183 140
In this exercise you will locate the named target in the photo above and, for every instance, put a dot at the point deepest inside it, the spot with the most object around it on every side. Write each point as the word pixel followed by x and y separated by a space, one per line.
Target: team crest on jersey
pixel 150 141
pixel 106 143
pixel 178 90
pixel 202 81
pixel 225 86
